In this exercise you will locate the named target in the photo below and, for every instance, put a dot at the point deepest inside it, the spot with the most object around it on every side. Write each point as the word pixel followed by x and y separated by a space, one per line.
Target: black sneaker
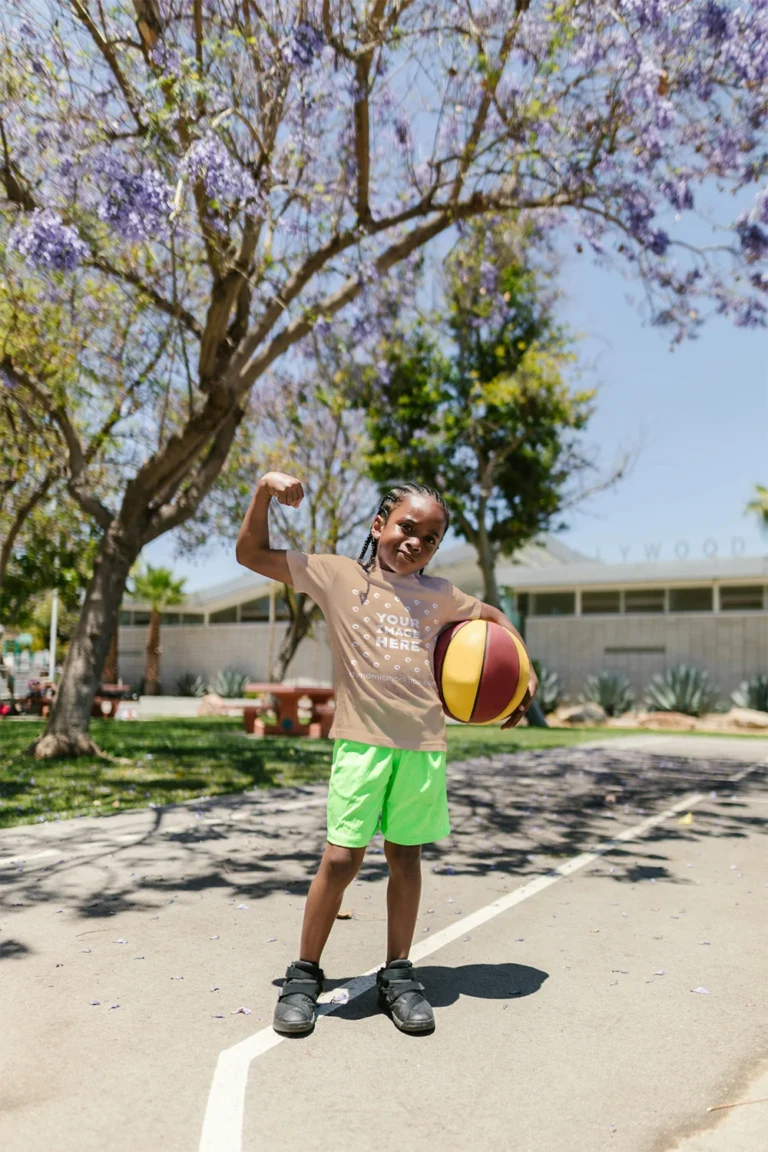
pixel 402 996
pixel 296 1007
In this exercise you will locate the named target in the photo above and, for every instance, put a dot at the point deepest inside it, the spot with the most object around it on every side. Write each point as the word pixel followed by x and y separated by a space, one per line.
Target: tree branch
pixel 170 516
pixel 21 516
pixel 76 462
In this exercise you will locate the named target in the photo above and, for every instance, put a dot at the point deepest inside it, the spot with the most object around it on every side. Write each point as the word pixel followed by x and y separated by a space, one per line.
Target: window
pixel 191 619
pixel 554 604
pixel 141 617
pixel 255 610
pixel 644 600
pixel 126 617
pixel 170 617
pixel 593 603
pixel 225 616
pixel 690 599
pixel 521 602
pixel 742 598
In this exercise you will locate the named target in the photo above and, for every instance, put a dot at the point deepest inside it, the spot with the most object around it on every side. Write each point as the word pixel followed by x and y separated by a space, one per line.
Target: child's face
pixel 409 538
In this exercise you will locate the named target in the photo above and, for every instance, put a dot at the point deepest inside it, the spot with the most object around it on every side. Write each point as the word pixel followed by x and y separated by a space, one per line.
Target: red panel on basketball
pixel 501 670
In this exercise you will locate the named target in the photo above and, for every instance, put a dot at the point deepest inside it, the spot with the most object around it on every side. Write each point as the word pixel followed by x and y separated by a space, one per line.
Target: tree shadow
pixel 515 815
pixel 13 950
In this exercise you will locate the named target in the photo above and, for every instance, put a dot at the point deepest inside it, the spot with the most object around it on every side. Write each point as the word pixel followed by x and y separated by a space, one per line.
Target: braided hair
pixel 394 497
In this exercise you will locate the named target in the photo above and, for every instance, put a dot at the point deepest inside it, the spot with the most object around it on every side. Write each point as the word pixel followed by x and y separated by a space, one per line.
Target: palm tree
pixel 156 587
pixel 760 504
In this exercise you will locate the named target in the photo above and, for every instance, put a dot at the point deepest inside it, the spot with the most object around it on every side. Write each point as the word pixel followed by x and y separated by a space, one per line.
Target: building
pixel 578 616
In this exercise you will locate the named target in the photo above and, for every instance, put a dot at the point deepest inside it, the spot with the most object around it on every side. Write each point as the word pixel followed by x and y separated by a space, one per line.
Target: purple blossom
pixel 223 177
pixel 754 241
pixel 47 243
pixel 303 47
pixel 679 194
pixel 715 21
pixel 138 205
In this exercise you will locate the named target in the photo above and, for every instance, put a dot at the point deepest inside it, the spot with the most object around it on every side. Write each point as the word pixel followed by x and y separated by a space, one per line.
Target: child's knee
pixel 341 863
pixel 404 859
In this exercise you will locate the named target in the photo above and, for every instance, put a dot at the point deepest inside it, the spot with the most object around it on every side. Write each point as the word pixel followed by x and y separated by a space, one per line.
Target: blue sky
pixel 697 418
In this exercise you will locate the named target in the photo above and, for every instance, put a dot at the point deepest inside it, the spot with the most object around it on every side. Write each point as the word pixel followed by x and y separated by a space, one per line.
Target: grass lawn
pixel 172 760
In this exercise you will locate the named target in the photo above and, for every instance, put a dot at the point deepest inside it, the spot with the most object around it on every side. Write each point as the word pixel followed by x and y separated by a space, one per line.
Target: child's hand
pixel 525 703
pixel 285 489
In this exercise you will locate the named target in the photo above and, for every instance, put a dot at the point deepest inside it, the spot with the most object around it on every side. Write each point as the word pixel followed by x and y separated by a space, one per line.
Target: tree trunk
pixel 487 560
pixel 66 733
pixel 152 670
pixel 111 673
pixel 303 614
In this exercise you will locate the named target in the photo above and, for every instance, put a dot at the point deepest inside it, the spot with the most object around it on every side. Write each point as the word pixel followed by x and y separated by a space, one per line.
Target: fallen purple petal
pixel 241 1011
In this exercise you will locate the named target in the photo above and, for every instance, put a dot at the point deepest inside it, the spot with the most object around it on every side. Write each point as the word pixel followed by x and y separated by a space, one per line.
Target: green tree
pixel 157 588
pixel 759 505
pixel 477 402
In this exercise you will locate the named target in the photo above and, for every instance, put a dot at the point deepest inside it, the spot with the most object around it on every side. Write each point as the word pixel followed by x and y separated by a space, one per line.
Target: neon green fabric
pixel 401 790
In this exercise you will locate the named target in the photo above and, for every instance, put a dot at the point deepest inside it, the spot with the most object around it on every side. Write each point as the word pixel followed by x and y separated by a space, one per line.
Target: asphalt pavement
pixel 593 937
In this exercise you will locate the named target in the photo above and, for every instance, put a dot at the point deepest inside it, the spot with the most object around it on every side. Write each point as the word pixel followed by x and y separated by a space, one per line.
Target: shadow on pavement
pixel 514 815
pixel 444 986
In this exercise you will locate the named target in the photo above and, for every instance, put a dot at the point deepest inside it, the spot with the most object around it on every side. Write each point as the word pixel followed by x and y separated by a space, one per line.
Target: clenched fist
pixel 286 489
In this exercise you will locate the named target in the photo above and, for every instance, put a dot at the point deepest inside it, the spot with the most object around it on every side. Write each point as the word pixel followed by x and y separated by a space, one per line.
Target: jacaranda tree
pixel 242 171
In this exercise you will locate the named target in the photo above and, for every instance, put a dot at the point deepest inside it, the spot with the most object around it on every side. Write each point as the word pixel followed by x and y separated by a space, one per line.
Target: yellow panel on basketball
pixel 462 668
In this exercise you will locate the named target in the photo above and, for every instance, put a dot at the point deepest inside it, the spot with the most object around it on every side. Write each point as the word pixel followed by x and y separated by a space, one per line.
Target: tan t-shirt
pixel 382 629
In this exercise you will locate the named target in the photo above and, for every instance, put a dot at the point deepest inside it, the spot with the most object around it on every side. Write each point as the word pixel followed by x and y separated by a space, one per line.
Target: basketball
pixel 481 670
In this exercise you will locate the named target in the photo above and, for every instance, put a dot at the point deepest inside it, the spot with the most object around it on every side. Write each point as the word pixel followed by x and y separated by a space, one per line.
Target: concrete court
pixel 565 1024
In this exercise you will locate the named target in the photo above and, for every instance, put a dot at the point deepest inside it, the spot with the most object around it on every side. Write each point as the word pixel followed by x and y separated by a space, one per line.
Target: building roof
pixel 543 564
pixel 742 569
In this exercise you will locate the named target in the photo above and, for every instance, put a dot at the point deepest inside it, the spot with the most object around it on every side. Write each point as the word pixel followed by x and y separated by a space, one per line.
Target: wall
pixel 205 651
pixel 729 646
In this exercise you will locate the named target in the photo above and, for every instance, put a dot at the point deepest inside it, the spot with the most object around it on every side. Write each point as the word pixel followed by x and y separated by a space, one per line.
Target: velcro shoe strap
pixel 394 988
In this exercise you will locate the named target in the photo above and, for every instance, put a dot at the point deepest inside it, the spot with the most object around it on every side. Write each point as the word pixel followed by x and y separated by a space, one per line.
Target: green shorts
pixel 405 790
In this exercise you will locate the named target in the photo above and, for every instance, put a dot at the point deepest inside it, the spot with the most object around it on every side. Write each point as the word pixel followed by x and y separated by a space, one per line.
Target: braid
pixel 397 493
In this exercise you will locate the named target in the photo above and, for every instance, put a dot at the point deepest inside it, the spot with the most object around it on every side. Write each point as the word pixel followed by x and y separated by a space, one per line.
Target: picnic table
pixel 284 699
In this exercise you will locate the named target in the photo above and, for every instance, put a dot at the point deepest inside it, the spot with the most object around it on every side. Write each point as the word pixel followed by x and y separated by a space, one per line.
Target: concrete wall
pixel 206 650
pixel 729 646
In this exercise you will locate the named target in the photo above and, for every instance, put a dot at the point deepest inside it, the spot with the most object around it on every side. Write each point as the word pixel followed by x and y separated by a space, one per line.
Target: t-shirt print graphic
pixel 396 626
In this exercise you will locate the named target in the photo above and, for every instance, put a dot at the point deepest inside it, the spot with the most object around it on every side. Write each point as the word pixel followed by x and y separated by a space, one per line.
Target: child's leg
pixel 337 870
pixel 403 895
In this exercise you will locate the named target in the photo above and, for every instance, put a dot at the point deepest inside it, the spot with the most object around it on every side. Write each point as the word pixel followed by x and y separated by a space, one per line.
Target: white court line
pixel 223 1121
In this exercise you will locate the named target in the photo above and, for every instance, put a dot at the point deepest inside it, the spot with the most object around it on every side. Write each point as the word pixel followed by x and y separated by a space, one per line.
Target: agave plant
pixel 188 684
pixel 230 683
pixel 611 691
pixel 681 689
pixel 550 691
pixel 752 693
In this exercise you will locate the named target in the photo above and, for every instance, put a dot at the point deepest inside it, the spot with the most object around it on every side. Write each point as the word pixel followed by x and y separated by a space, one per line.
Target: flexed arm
pixel 253 550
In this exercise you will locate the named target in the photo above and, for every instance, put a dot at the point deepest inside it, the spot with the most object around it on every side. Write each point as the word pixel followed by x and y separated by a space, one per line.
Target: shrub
pixel 681 689
pixel 188 684
pixel 230 683
pixel 550 691
pixel 611 691
pixel 752 693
